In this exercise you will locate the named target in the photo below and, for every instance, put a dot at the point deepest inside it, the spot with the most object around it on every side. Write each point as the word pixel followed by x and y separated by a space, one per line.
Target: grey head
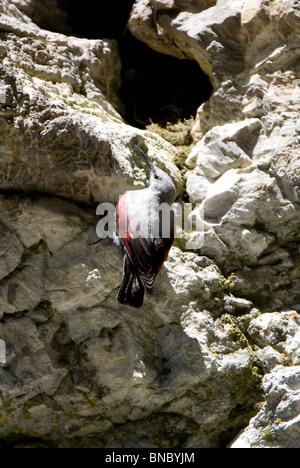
pixel 159 182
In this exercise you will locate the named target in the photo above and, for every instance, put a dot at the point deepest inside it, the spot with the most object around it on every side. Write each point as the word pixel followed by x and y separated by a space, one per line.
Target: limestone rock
pixel 39 13
pixel 277 424
pixel 74 355
pixel 279 330
pixel 243 173
pixel 79 368
pixel 244 164
pixel 57 118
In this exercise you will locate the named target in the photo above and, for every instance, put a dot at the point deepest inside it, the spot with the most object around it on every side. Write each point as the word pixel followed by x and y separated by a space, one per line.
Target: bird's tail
pixel 132 290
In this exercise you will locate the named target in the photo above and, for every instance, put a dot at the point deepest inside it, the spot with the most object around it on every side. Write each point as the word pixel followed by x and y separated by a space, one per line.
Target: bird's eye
pixel 156 177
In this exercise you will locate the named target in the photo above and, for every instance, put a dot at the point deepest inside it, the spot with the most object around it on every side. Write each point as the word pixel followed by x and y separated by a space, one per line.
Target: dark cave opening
pixel 159 88
pixel 98 20
pixel 155 87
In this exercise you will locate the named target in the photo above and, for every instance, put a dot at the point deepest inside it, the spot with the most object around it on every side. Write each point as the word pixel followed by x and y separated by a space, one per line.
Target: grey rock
pixel 268 358
pixel 279 330
pixel 246 134
pixel 39 13
pixel 243 169
pixel 58 118
pixel 277 424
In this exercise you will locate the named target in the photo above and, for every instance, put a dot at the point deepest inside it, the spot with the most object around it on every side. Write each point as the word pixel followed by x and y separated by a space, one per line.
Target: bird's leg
pixel 96 242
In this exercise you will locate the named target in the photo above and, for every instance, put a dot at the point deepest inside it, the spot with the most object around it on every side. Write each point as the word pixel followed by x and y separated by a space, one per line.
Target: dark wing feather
pixel 147 255
pixel 144 258
pixel 132 290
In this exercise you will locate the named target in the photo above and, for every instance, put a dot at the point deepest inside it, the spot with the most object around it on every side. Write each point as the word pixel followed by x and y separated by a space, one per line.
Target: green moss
pixel 6 403
pixel 230 326
pixel 179 135
pixel 268 434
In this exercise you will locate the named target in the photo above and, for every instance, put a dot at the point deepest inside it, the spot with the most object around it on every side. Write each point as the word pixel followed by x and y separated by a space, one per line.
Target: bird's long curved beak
pixel 145 157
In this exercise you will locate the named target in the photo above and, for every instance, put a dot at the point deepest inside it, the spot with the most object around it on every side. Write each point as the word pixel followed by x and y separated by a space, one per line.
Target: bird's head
pixel 159 181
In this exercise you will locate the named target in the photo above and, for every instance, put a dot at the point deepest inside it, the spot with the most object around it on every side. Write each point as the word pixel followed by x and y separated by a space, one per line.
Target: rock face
pixel 277 424
pixel 243 173
pixel 186 369
pixel 244 167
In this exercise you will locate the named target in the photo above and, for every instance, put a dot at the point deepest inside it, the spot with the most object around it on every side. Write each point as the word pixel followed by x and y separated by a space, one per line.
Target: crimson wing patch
pixel 145 253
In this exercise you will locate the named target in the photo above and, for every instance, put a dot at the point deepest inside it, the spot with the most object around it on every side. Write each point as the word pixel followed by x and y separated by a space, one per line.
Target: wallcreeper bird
pixel 145 233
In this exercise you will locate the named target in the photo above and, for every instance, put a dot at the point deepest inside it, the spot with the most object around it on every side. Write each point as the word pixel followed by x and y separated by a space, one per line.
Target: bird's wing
pixel 143 256
pixel 146 254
